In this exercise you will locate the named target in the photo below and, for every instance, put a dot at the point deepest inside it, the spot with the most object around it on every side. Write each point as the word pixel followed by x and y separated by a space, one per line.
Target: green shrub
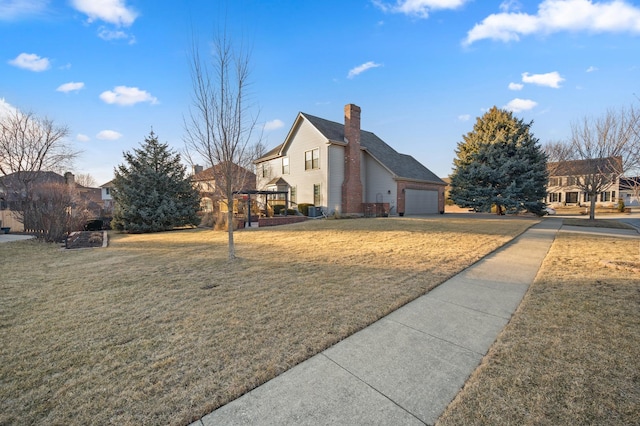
pixel 304 208
pixel 621 205
pixel 278 210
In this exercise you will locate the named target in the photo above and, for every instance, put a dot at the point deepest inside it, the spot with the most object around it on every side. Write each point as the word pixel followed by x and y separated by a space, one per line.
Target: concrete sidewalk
pixel 407 367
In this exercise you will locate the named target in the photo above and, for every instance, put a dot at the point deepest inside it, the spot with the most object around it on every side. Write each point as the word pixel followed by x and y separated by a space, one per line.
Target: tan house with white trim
pixel 343 169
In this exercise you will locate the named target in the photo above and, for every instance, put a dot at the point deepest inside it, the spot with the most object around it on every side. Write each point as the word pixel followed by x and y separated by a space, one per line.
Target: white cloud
pixel 123 95
pixel 70 87
pixel 112 11
pixel 82 138
pixel 550 79
pixel 509 5
pixel 107 34
pixel 109 135
pixel 418 8
pixel 515 86
pixel 464 117
pixel 31 62
pixel 16 9
pixel 556 16
pixel 362 68
pixel 592 69
pixel 6 107
pixel 273 124
pixel 519 105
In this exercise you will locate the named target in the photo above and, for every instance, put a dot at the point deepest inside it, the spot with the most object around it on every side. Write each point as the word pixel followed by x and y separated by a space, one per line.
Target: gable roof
pixel 630 182
pixel 403 166
pixel 214 172
pixel 586 167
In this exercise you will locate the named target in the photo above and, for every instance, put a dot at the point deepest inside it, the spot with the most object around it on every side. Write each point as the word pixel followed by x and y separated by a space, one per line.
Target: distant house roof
pixel 14 186
pixel 586 167
pixel 212 173
pixel 630 182
pixel 401 165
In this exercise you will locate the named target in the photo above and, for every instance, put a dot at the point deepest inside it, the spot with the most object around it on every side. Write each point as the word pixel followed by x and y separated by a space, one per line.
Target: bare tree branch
pixel 219 126
pixel 599 152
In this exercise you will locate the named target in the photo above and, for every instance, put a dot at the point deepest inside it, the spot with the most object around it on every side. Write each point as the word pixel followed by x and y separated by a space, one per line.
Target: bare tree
pixel 599 151
pixel 85 179
pixel 30 145
pixel 220 127
pixel 54 209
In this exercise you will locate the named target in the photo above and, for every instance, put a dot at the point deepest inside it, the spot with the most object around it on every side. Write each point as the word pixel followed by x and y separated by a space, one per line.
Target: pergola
pixel 250 192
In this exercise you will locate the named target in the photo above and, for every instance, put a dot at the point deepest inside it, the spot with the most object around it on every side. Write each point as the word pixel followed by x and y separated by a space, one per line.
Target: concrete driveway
pixel 7 238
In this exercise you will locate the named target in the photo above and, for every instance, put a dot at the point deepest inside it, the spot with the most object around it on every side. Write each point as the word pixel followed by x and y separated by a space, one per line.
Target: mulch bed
pixel 84 239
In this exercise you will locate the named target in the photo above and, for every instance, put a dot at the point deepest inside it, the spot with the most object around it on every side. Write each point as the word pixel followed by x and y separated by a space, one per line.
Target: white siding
pixel 273 169
pixel 304 137
pixel 335 179
pixel 378 183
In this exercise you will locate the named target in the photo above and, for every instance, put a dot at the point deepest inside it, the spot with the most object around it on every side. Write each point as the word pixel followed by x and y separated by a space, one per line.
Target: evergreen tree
pixel 500 163
pixel 151 192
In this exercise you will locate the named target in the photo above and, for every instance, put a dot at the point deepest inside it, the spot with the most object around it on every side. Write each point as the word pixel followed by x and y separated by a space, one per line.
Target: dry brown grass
pixel 570 353
pixel 160 328
pixel 597 223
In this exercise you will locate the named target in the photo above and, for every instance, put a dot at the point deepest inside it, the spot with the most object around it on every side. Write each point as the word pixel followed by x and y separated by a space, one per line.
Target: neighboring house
pixel 564 177
pixel 630 191
pixel 106 197
pixel 346 170
pixel 211 184
pixel 12 191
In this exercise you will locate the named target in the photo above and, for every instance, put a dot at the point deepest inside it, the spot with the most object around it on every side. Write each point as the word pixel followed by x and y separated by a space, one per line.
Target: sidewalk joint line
pixel 372 388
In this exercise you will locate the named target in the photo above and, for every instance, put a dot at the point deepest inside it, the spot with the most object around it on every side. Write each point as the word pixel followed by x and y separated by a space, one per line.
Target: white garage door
pixel 419 201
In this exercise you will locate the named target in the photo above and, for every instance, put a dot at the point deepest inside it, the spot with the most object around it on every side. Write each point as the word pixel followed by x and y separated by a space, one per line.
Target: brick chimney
pixel 352 185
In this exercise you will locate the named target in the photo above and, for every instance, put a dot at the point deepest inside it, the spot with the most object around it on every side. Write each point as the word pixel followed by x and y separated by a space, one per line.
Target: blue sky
pixel 421 70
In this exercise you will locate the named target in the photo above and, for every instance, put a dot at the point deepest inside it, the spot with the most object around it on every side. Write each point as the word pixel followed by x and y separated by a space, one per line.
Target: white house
pixel 345 170
pixel 568 178
pixel 107 199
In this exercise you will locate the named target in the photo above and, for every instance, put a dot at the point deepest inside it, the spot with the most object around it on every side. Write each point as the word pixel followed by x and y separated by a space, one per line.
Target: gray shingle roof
pixel 402 165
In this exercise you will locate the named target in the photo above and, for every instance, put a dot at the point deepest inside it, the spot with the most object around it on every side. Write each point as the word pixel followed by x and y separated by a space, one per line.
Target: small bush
pixel 95 237
pixel 620 205
pixel 278 210
pixel 208 220
pixel 304 208
pixel 221 223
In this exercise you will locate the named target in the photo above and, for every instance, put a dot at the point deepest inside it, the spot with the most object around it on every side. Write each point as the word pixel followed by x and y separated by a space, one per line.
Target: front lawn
pixel 160 328
pixel 570 353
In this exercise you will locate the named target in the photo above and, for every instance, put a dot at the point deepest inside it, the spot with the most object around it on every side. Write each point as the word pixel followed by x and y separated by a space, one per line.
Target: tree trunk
pixel 592 207
pixel 232 249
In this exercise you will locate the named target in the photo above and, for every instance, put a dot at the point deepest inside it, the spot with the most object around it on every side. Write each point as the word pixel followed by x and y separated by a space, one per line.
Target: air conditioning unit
pixel 313 211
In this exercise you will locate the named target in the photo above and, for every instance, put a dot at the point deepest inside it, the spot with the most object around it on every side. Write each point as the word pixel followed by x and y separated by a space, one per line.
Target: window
pixel 316 195
pixel 107 191
pixel 608 196
pixel 312 159
pixel 294 195
pixel 554 181
pixel 571 181
pixel 587 197
pixel 554 197
pixel 265 170
pixel 285 165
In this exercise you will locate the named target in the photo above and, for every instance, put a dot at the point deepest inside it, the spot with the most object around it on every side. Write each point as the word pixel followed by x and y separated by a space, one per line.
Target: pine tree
pixel 500 163
pixel 151 192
